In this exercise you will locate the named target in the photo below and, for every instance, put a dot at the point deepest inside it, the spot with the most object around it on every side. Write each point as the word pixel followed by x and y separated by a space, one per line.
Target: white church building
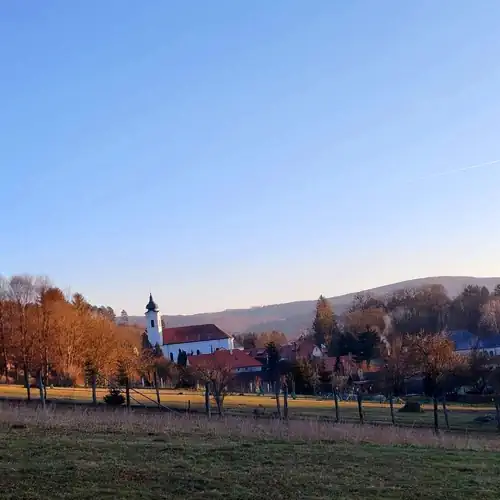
pixel 195 339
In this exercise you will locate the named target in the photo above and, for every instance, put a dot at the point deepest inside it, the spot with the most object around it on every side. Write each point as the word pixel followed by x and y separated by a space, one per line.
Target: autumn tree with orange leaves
pixel 50 338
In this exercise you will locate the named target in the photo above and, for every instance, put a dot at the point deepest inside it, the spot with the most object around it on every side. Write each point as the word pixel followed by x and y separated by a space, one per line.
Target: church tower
pixel 154 328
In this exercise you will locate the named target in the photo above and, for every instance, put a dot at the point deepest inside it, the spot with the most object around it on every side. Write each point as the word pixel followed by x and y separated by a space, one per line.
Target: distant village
pixel 196 346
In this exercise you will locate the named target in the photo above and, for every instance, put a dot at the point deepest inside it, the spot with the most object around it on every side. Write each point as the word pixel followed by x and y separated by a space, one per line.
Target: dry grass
pixel 133 422
pixel 76 453
pixel 461 417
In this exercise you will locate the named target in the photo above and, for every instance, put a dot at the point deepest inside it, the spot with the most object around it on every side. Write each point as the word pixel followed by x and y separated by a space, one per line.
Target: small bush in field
pixel 114 398
pixel 412 407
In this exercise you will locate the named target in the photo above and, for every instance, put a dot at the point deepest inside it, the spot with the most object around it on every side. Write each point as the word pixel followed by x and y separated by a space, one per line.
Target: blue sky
pixel 228 154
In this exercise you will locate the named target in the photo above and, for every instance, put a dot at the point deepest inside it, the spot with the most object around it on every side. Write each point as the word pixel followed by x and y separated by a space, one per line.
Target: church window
pixel 152 323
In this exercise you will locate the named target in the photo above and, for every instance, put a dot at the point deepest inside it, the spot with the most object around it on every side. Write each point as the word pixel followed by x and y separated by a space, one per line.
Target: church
pixel 194 340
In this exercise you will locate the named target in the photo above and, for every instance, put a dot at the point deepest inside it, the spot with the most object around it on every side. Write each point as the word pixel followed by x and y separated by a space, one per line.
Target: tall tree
pixel 466 308
pixel 124 317
pixel 6 328
pixel 273 371
pixel 494 380
pixel 394 352
pixel 425 308
pixel 489 321
pixel 433 356
pixel 366 346
pixel 324 322
pixel 496 291
pixel 23 293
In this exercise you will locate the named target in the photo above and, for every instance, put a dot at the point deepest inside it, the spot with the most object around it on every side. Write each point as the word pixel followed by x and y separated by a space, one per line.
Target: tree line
pixel 408 333
pixel 48 338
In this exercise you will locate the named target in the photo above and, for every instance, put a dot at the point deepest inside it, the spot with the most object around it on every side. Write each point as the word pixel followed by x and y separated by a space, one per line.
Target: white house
pixel 195 339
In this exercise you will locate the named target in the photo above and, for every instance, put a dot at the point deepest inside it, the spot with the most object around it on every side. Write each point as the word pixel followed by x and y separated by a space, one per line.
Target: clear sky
pixel 227 154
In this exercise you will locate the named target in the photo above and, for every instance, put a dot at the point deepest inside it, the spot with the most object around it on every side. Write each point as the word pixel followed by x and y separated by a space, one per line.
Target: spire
pixel 151 305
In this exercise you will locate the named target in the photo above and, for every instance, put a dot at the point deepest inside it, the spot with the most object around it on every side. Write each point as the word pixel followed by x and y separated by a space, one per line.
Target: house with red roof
pixel 237 361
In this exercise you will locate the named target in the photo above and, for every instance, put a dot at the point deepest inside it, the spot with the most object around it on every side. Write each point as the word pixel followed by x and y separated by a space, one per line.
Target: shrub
pixel 114 398
pixel 412 407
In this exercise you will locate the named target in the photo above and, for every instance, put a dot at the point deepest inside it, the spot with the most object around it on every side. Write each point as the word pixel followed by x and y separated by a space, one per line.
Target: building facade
pixel 194 339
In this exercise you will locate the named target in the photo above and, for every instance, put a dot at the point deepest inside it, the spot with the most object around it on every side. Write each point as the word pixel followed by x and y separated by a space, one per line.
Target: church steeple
pixel 154 327
pixel 151 305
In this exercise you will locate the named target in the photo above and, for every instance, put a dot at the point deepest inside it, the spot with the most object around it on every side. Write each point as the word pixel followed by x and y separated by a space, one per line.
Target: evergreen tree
pixel 182 358
pixel 124 318
pixel 273 360
pixel 273 371
pixel 324 324
pixel 157 351
pixel 366 347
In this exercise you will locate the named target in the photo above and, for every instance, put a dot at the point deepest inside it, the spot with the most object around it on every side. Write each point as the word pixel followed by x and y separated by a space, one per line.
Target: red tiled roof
pixel 231 359
pixel 194 333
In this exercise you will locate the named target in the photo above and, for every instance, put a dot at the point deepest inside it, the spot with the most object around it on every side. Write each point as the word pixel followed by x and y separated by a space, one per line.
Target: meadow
pixel 461 417
pixel 76 453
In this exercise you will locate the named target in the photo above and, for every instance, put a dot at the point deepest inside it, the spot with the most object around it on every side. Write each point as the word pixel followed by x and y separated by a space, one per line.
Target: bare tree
pixel 6 327
pixel 395 353
pixel 433 355
pixel 22 291
pixel 215 373
pixel 494 380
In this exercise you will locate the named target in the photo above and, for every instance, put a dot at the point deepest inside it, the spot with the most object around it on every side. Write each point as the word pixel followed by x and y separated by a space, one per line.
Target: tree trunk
pixel 218 401
pixel 336 400
pixel 45 373
pixel 157 389
pixel 207 400
pixel 445 412
pixel 391 405
pixel 6 364
pixel 93 381
pixel 285 400
pixel 127 391
pixel 360 407
pixel 497 411
pixel 277 394
pixel 436 419
pixel 41 388
pixel 27 382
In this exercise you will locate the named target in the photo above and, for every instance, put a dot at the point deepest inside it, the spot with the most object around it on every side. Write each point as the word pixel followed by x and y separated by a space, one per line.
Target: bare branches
pixel 217 373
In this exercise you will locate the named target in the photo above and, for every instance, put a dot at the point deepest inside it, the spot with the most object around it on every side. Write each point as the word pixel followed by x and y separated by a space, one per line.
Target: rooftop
pixel 152 305
pixel 222 358
pixel 465 340
pixel 193 333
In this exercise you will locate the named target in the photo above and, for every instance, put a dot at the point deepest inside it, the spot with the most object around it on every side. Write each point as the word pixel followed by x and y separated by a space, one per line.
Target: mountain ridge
pixel 293 317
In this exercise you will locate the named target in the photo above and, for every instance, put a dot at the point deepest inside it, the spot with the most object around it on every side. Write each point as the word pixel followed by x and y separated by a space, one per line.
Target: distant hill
pixel 294 317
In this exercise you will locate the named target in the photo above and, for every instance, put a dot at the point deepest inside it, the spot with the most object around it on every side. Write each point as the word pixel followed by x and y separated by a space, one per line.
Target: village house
pixel 246 371
pixel 465 342
pixel 238 361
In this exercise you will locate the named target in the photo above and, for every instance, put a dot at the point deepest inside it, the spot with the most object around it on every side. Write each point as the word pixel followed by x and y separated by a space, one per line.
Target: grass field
pixel 75 454
pixel 461 417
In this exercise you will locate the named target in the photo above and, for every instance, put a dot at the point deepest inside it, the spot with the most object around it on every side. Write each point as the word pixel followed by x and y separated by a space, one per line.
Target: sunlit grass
pixel 76 453
pixel 461 417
